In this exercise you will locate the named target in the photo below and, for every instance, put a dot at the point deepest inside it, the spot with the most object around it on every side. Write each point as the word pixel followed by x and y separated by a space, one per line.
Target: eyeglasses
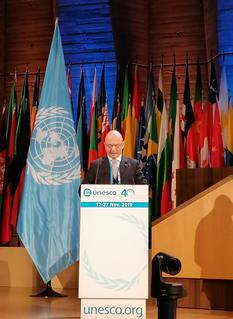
pixel 110 146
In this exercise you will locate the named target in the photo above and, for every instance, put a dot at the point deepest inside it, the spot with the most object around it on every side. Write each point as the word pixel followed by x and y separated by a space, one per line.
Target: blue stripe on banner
pixel 114 204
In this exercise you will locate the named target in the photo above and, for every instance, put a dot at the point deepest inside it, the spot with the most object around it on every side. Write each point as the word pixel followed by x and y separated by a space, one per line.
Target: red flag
pixel 217 156
pixel 211 106
pixel 105 130
pixel 35 100
pixel 6 228
pixel 70 88
pixel 204 147
pixel 198 107
pixel 116 114
pixel 22 140
pixel 189 128
pixel 93 148
pixel 3 146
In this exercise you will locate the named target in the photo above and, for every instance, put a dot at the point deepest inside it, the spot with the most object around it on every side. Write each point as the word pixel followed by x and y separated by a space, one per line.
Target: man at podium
pixel 114 168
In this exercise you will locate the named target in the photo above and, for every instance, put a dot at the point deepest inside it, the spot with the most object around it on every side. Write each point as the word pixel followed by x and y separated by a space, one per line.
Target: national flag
pixel 229 146
pixel 93 146
pixel 151 165
pixel 163 193
pixel 150 105
pixel 132 118
pixel 35 101
pixel 101 102
pixel 172 108
pixel 140 152
pixel 204 145
pixel 197 109
pixel 136 106
pixel 3 146
pixel 48 223
pixel 160 99
pixel 126 100
pixel 116 114
pixel 136 95
pixel 217 153
pixel 82 136
pixel 176 144
pixel 223 106
pixel 211 105
pixel 105 130
pixel 22 140
pixel 10 167
pixel 189 128
pixel 150 96
pixel 177 155
pixel 70 89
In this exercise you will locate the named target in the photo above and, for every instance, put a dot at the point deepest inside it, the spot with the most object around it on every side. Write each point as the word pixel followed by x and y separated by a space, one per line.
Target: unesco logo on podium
pixel 87 192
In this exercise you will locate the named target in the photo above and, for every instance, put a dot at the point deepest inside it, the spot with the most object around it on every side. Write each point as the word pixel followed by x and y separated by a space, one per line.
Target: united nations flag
pixel 48 223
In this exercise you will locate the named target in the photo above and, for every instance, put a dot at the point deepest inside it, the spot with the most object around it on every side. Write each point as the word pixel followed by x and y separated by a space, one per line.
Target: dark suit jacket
pixel 130 172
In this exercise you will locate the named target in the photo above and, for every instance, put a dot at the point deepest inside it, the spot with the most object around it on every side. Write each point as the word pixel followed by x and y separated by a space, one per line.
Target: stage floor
pixel 16 303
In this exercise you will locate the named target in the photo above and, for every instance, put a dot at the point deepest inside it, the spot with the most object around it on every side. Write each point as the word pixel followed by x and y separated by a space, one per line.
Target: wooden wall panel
pixel 144 30
pixel 28 26
pixel 210 26
pixel 130 21
pixel 147 30
pixel 206 294
pixel 130 29
pixel 198 179
pixel 176 28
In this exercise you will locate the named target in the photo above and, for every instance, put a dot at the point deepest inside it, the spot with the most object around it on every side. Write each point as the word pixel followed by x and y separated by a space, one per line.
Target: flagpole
pixel 48 292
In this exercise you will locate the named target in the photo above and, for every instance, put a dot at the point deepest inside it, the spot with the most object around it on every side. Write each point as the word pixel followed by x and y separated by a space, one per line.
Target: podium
pixel 113 266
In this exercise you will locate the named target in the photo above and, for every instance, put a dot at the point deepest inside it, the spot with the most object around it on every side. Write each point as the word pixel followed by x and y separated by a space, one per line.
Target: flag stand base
pixel 48 292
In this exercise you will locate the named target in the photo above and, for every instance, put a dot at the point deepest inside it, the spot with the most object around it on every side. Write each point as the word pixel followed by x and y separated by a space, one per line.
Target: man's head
pixel 114 144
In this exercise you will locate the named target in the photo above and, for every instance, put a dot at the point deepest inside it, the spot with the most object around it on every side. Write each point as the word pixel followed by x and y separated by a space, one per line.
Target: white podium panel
pixel 113 242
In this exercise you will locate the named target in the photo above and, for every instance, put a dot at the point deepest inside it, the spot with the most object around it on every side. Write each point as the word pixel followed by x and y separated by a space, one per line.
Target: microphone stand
pixel 48 292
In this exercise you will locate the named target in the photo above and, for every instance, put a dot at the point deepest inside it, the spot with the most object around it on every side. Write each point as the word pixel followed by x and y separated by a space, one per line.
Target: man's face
pixel 114 145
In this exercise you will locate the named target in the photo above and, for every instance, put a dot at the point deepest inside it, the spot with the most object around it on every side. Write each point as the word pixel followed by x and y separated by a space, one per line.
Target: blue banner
pixel 48 223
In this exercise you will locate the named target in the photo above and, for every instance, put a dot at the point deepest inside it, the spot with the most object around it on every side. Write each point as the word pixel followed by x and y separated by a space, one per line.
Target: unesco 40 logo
pixel 127 192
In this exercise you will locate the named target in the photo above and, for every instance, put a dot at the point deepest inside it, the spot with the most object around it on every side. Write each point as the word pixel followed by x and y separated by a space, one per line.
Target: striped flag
pixel 197 109
pixel 82 136
pixel 35 102
pixel 116 115
pixel 229 146
pixel 126 100
pixel 211 106
pixel 140 152
pixel 93 146
pixel 10 168
pixel 3 146
pixel 189 128
pixel 150 106
pixel 100 110
pixel 217 153
pixel 151 165
pixel 223 106
pixel 132 119
pixel 160 100
pixel 176 144
pixel 136 106
pixel 163 197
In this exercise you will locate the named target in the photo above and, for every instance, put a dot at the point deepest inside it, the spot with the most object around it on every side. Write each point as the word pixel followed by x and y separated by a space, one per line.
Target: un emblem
pixel 53 154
